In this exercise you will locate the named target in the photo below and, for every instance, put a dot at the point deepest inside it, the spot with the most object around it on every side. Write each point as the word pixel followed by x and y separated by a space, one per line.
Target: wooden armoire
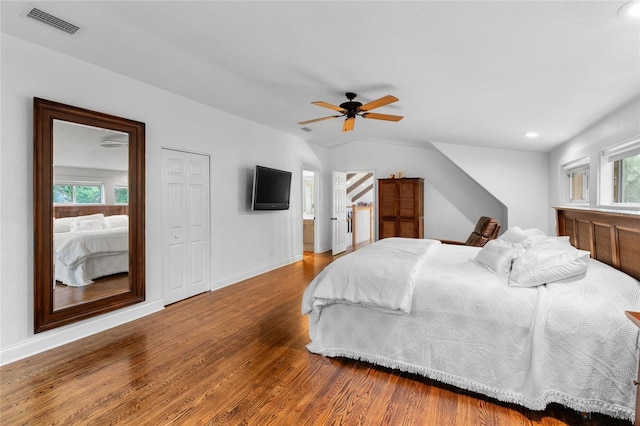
pixel 401 208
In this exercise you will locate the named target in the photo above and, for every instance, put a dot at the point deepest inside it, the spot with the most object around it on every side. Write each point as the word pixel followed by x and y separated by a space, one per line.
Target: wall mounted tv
pixel 271 189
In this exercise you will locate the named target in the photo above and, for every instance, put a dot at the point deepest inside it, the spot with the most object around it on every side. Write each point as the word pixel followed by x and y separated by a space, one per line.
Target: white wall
pixel 618 126
pixel 517 178
pixel 453 201
pixel 244 243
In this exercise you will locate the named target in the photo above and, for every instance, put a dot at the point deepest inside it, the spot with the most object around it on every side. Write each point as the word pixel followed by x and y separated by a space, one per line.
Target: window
pixel 579 186
pixel 78 194
pixel 121 195
pixel 621 173
pixel 626 180
pixel 577 173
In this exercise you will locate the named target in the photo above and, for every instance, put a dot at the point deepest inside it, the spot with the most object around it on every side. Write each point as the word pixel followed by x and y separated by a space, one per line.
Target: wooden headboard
pixel 76 210
pixel 612 237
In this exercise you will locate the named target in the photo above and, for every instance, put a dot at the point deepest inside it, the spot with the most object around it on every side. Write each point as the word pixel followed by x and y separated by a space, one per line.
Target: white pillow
pixel 117 221
pixel 497 255
pixel 545 241
pixel 534 232
pixel 515 235
pixel 86 225
pixel 63 224
pixel 547 263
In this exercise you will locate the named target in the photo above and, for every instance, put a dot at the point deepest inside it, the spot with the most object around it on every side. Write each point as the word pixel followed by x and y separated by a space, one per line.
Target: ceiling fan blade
pixel 348 124
pixel 378 103
pixel 387 117
pixel 315 120
pixel 330 106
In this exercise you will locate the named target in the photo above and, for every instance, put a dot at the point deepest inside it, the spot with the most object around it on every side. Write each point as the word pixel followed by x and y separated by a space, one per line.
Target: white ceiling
pixel 466 72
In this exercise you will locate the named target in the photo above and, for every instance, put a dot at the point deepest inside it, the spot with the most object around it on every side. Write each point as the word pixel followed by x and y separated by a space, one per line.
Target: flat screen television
pixel 271 189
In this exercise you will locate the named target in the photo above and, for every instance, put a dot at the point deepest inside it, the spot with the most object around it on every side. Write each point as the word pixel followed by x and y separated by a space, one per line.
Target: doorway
pixel 310 196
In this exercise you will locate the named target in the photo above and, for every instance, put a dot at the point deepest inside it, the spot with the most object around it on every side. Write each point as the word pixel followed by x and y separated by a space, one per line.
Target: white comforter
pixel 388 286
pixel 567 342
pixel 72 248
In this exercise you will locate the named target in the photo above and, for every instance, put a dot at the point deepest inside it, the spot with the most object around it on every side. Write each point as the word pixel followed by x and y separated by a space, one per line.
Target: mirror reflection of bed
pixel 91 253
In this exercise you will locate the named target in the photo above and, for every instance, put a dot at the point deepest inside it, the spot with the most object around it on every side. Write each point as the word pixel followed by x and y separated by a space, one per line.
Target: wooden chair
pixel 486 229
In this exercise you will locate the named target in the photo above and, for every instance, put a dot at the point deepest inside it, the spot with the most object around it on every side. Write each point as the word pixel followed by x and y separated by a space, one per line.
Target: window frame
pixel 115 198
pixel 582 166
pixel 608 159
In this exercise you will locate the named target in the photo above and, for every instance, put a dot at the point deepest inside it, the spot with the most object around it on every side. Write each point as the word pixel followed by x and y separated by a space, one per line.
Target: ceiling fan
pixel 352 108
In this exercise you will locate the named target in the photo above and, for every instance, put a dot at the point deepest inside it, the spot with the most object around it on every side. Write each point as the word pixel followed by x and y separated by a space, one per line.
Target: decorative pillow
pixel 549 261
pixel 86 225
pixel 515 235
pixel 117 221
pixel 63 224
pixel 534 232
pixel 498 254
pixel 545 241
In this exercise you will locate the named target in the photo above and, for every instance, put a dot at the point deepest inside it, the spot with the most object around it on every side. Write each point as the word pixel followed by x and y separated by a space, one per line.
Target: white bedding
pixel 389 286
pixel 83 256
pixel 567 342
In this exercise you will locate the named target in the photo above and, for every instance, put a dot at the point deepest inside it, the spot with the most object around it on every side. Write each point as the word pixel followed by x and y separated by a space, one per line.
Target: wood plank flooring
pixel 237 356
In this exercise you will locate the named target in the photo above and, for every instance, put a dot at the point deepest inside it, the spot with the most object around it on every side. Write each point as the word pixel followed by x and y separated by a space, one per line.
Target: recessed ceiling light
pixel 630 9
pixel 531 134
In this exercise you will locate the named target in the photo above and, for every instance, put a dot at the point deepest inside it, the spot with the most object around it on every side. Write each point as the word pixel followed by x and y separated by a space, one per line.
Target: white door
pixel 186 244
pixel 339 213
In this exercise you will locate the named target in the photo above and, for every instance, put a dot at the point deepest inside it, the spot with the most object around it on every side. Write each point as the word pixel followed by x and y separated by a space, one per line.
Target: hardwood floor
pixel 237 356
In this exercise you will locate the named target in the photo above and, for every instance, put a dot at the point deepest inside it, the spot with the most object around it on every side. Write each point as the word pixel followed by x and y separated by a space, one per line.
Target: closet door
pixel 186 251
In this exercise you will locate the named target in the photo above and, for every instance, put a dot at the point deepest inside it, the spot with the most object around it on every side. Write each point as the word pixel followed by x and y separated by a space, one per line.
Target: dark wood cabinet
pixel 401 208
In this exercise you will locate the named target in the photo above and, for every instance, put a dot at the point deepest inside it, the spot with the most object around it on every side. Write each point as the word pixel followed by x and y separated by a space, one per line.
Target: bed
pixel 528 319
pixel 90 242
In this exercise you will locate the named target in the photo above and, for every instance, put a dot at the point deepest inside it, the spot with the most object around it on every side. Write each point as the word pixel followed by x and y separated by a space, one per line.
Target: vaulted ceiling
pixel 466 72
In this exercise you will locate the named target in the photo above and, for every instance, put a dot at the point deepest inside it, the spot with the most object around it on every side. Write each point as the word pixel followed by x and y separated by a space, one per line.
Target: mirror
pixel 88 213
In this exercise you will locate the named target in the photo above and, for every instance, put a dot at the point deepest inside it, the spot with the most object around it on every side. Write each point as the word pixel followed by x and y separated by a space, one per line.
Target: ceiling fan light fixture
pixel 352 109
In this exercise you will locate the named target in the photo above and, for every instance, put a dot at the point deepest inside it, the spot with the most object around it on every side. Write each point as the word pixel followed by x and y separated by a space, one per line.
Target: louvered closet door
pixel 387 208
pixel 186 248
pixel 407 224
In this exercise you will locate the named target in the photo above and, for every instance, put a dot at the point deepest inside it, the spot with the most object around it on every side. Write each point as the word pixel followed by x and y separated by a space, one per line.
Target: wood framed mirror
pixel 88 212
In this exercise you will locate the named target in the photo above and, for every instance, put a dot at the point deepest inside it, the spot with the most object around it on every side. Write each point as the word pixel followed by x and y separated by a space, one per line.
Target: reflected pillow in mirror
pixel 117 221
pixel 87 225
pixel 63 224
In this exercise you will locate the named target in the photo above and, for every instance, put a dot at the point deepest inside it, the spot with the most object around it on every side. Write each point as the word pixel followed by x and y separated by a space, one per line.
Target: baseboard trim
pixel 42 342
pixel 218 284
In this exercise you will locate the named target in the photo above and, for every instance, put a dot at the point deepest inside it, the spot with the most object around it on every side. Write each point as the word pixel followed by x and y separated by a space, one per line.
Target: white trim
pixel 628 148
pixel 576 165
pixel 218 284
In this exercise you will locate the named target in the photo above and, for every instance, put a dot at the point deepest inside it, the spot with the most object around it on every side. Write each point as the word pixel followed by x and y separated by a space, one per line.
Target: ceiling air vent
pixel 52 21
